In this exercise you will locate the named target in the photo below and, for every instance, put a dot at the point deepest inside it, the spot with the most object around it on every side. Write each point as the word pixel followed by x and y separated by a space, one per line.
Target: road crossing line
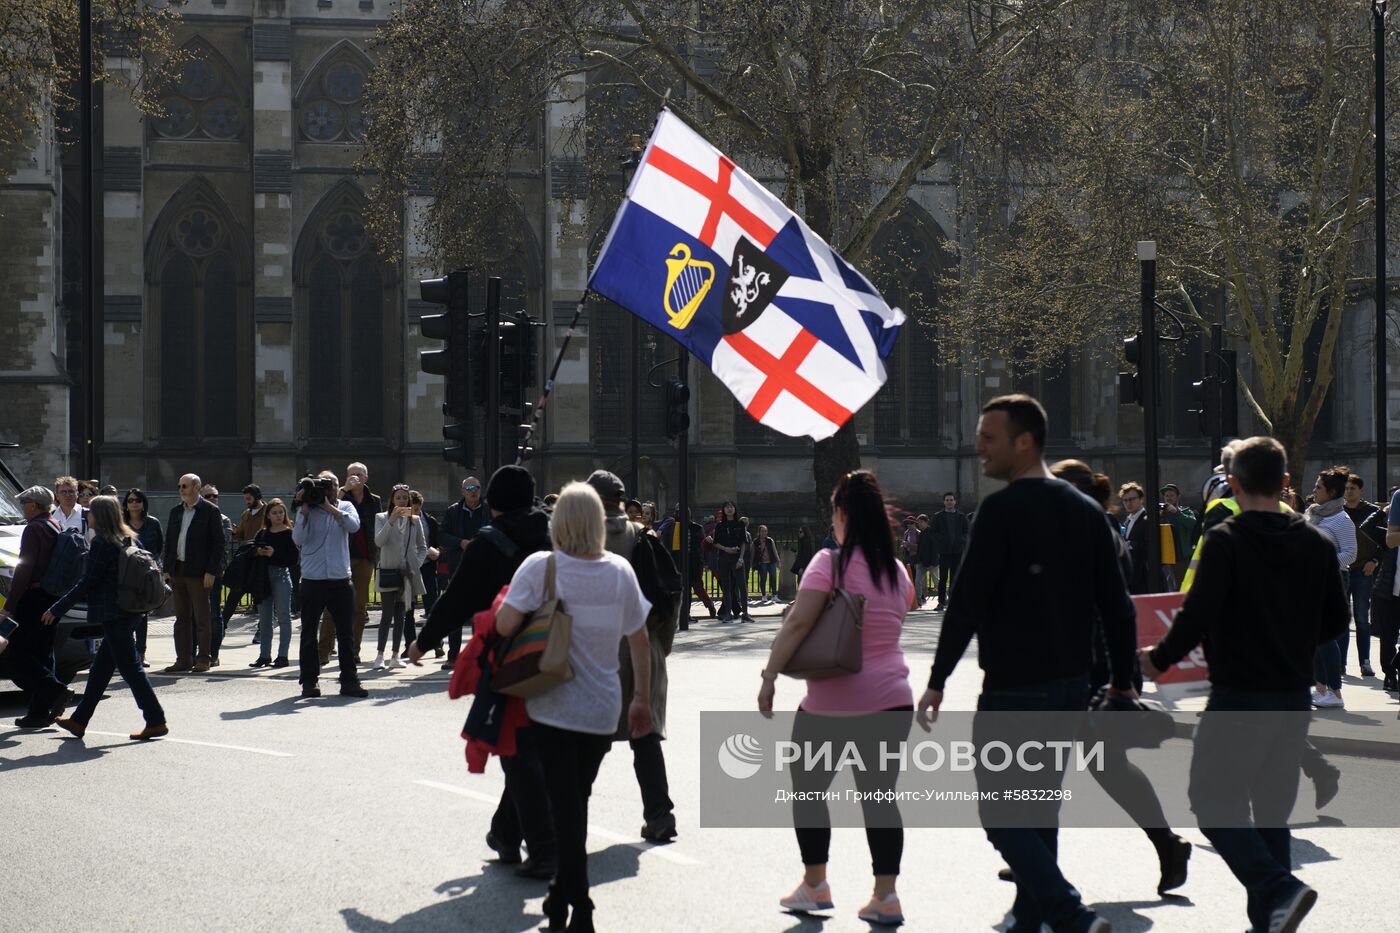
pixel 662 851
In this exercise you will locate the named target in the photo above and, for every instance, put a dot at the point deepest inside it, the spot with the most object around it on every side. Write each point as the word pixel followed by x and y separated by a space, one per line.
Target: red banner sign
pixel 1154 616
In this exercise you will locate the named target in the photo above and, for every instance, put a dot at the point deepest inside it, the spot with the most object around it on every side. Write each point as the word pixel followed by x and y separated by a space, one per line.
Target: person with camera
pixel 323 532
pixel 364 555
pixel 403 547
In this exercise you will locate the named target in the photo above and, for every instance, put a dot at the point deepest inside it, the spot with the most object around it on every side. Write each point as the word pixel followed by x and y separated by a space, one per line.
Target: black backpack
pixel 657 575
pixel 65 562
pixel 140 583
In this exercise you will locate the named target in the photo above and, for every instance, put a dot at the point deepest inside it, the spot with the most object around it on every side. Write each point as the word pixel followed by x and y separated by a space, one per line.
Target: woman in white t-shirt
pixel 573 724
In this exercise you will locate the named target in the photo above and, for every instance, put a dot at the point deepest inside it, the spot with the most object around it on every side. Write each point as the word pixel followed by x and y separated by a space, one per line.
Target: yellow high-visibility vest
pixel 1230 505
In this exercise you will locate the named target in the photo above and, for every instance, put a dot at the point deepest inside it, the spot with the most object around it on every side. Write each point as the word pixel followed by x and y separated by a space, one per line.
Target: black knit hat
pixel 512 487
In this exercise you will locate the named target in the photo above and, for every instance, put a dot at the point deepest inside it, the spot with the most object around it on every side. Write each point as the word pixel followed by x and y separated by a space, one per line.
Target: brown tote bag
pixel 833 647
pixel 537 659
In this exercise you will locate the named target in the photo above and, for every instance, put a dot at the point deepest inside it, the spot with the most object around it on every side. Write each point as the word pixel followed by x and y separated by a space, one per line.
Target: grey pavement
pixel 265 812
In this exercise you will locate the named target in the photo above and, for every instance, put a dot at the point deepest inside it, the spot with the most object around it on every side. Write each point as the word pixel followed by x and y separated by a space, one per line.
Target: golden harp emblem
pixel 688 281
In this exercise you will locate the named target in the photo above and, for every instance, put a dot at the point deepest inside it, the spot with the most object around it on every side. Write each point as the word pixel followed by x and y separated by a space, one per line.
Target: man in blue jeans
pixel 1265 596
pixel 1031 592
pixel 1361 573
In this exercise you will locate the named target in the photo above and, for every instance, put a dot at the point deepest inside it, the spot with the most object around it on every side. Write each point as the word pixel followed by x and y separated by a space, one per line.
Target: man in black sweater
pixel 1040 566
pixel 1266 594
pixel 523 812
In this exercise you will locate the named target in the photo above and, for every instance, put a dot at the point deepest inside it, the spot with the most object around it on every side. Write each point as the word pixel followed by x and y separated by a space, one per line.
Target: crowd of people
pixel 1271 593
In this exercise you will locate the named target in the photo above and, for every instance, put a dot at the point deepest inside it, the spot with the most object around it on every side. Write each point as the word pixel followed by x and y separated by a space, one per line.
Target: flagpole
pixel 538 417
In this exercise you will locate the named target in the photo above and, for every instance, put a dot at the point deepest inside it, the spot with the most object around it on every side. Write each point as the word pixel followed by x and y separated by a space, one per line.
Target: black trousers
pixel 31 653
pixel 337 596
pixel 523 815
pixel 571 760
pixel 730 580
pixel 884 832
pixel 1385 627
pixel 947 571
pixel 649 764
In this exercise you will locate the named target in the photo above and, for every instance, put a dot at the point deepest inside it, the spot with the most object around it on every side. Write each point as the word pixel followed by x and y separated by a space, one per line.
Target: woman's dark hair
pixel 1333 480
pixel 727 504
pixel 868 525
pixel 802 532
pixel 134 493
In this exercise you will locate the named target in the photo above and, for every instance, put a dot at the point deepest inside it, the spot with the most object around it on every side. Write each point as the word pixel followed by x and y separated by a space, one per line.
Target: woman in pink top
pixel 866 565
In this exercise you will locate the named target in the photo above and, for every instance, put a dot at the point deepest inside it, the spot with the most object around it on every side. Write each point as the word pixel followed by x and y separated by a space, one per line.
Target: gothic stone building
pixel 250 332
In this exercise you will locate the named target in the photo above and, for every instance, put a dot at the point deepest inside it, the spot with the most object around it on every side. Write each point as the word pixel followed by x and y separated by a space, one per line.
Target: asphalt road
pixel 265 812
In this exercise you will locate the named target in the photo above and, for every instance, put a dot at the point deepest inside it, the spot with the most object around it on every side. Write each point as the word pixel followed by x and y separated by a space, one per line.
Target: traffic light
pixel 461 451
pixel 1130 383
pixel 524 434
pixel 453 362
pixel 1203 399
pixel 1229 400
pixel 518 359
pixel 677 408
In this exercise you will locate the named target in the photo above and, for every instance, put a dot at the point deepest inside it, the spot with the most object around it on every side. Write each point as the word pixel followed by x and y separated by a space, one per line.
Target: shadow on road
pixel 66 752
pixel 494 899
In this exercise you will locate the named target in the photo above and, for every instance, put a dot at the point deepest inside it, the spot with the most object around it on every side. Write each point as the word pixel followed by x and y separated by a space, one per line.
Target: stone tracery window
pixel 348 323
pixel 203 102
pixel 332 103
pixel 202 311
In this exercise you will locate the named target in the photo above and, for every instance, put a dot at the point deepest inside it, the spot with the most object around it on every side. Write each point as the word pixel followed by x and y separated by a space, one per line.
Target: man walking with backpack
pixel 1266 594
pixel 31 652
pixel 488 560
pixel 630 540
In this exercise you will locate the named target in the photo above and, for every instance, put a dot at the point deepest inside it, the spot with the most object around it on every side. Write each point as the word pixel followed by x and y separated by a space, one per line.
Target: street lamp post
pixel 1378 12
pixel 634 349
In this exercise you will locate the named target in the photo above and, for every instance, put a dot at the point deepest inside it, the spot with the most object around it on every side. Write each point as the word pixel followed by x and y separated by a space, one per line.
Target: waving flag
pixel 712 258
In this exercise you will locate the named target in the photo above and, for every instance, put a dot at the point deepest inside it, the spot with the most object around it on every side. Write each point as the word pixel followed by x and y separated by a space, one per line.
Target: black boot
pixel 1173 856
pixel 556 909
pixel 582 919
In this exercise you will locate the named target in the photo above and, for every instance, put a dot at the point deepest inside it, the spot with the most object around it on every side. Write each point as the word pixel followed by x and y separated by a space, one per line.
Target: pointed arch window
pixel 203 102
pixel 347 325
pixel 331 108
pixel 201 304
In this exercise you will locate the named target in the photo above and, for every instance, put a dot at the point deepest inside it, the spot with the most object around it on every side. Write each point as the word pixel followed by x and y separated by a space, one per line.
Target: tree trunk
pixel 839 454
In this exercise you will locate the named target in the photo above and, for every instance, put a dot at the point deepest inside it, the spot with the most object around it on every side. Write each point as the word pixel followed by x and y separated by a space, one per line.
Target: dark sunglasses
pixel 210 498
pixel 133 501
pixel 471 489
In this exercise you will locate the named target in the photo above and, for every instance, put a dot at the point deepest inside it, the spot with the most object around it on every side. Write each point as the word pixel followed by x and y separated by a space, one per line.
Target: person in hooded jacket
pixel 522 815
pixel 648 762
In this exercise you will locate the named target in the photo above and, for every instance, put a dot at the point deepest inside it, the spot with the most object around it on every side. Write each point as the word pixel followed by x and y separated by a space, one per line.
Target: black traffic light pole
pixel 1147 262
pixel 492 455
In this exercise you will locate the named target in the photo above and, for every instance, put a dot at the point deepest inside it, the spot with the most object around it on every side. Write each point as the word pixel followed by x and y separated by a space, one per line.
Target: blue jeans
pixel 768 579
pixel 280 601
pixel 1244 778
pixel 1042 893
pixel 1359 590
pixel 118 653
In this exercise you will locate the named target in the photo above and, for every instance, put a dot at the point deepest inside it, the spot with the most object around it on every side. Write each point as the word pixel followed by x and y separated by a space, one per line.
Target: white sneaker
pixel 1330 700
pixel 378 664
pixel 396 662
pixel 1315 696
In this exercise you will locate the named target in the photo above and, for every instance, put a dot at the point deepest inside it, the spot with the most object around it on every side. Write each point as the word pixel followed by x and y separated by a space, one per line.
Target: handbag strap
pixel 549 578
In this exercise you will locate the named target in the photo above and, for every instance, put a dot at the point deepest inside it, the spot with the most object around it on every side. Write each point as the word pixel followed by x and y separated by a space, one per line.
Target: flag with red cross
pixel 711 257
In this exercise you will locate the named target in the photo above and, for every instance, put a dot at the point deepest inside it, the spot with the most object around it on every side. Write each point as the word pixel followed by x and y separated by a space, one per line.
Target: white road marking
pixel 665 852
pixel 234 748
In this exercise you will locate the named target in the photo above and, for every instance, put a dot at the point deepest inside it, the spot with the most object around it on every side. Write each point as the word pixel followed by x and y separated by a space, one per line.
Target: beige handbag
pixel 833 647
pixel 537 659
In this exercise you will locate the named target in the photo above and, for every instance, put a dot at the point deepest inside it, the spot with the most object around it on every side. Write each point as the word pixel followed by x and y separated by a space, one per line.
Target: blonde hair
pixel 105 520
pixel 576 526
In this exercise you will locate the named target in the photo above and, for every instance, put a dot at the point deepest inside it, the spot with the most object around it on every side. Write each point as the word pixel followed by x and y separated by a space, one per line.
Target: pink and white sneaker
pixel 885 911
pixel 807 898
